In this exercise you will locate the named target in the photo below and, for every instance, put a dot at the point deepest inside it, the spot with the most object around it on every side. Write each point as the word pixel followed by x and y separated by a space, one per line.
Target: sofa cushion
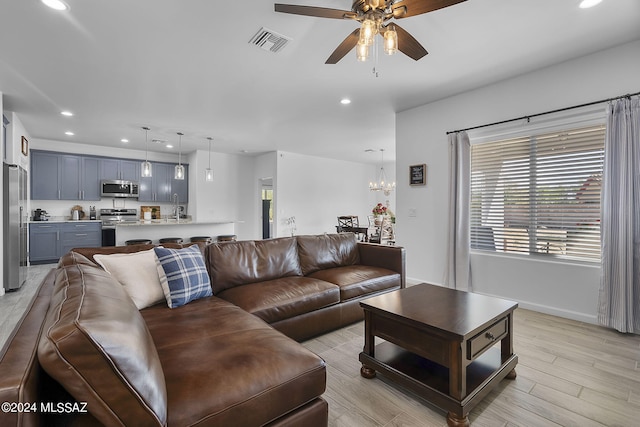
pixel 225 367
pixel 279 299
pixel 183 275
pixel 96 344
pixel 137 273
pixel 359 280
pixel 327 251
pixel 237 263
pixel 73 258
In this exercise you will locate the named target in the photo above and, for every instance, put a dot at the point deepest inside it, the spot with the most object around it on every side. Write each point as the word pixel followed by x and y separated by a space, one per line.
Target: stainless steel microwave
pixel 119 188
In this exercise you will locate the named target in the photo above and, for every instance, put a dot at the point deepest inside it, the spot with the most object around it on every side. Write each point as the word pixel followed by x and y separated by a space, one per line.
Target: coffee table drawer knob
pixel 487 338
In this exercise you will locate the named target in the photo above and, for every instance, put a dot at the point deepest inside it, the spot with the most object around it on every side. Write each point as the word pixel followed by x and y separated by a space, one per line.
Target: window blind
pixel 539 194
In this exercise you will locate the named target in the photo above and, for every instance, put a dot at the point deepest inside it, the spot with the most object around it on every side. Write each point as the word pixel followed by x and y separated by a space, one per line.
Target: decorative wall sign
pixel 418 174
pixel 25 146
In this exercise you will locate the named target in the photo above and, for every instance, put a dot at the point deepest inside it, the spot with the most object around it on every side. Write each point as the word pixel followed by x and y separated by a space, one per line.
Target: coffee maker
pixel 40 215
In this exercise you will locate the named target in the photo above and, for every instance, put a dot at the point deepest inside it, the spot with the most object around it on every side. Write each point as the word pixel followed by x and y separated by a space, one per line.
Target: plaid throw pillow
pixel 183 275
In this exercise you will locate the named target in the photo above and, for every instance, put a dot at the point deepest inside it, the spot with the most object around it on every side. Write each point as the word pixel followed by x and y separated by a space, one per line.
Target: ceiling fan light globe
pixel 362 52
pixel 367 32
pixel 390 41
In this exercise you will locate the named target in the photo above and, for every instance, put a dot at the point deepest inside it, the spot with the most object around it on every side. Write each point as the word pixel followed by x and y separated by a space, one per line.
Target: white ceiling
pixel 186 65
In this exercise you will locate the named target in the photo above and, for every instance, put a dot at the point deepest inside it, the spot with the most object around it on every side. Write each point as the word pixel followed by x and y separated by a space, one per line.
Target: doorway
pixel 266 200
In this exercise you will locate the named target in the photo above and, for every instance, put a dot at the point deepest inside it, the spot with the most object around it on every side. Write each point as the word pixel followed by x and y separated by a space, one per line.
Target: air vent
pixel 269 40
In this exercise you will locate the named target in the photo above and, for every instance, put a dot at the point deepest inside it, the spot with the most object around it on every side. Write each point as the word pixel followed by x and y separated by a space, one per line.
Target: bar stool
pixel 171 240
pixel 205 239
pixel 227 238
pixel 138 242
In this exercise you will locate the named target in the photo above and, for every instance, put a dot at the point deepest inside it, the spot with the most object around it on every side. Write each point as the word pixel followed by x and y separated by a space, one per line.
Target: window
pixel 539 194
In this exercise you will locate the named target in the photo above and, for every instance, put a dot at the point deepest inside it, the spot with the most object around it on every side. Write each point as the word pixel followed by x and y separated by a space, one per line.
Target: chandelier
pixel 382 184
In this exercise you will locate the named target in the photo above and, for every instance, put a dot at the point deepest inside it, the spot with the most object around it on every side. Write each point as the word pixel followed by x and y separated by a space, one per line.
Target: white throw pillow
pixel 138 273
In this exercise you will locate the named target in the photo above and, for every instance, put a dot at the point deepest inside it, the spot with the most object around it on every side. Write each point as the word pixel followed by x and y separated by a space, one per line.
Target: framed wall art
pixel 25 146
pixel 418 174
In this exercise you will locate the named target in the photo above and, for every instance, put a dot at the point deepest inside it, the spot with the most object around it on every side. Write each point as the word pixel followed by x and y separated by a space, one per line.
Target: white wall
pixel 15 132
pixel 226 197
pixel 316 191
pixel 567 289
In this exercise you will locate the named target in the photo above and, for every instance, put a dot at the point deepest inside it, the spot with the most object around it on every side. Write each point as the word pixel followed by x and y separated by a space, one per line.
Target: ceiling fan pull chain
pixel 375 57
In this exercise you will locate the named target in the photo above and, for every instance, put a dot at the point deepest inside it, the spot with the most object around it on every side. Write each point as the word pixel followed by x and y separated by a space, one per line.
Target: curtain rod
pixel 629 95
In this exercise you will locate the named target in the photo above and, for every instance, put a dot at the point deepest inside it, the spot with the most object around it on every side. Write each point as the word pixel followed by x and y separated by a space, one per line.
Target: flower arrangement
pixel 379 209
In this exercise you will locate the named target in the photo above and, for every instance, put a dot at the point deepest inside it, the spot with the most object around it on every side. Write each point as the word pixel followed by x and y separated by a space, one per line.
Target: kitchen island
pixel 161 228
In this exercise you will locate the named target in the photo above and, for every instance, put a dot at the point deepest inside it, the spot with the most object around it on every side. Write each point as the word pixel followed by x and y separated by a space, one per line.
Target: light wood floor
pixel 569 374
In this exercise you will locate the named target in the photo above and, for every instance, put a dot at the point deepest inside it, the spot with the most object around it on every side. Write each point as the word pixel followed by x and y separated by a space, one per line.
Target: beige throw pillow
pixel 138 273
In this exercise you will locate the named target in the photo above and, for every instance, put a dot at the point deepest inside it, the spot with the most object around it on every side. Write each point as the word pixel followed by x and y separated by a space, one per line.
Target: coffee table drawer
pixel 487 338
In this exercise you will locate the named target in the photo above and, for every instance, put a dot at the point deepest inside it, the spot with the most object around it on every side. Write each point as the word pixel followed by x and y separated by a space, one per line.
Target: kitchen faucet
pixel 176 210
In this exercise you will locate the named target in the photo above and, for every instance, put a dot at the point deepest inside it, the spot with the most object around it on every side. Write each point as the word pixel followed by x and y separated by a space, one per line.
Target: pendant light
pixel 208 172
pixel 179 170
pixel 146 168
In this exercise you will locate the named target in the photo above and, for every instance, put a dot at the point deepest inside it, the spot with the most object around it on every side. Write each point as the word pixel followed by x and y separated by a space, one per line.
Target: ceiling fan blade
pixel 347 44
pixel 321 12
pixel 409 45
pixel 407 8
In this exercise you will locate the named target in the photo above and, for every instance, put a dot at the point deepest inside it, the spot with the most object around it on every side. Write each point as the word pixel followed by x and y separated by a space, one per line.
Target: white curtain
pixel 458 273
pixel 619 299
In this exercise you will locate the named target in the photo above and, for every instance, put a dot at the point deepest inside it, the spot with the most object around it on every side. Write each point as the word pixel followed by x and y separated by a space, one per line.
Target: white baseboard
pixel 554 311
pixel 546 309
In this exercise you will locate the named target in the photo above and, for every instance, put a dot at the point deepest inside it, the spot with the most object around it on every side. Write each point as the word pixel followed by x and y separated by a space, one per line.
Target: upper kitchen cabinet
pixel 44 176
pixel 161 186
pixel 157 188
pixel 56 176
pixel 126 170
pixel 181 186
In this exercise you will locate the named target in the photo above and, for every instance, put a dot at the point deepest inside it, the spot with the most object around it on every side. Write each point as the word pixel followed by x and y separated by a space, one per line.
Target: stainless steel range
pixel 112 217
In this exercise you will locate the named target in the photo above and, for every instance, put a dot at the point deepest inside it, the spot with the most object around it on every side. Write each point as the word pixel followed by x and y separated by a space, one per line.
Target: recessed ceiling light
pixel 345 101
pixel 589 3
pixel 56 4
pixel 69 133
pixel 125 140
pixel 66 113
pixel 169 146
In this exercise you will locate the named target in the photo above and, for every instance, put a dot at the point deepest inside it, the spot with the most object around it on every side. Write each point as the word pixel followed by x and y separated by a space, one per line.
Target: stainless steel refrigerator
pixel 15 227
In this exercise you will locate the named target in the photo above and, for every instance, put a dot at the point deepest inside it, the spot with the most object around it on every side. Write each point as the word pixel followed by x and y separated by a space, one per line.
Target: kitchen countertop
pixel 164 222
pixel 62 219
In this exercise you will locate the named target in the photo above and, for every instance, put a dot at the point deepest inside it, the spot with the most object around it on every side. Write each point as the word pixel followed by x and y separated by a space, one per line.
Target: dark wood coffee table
pixel 440 345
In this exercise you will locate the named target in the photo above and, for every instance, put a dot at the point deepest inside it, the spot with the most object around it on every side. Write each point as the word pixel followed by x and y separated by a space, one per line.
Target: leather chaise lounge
pixel 85 353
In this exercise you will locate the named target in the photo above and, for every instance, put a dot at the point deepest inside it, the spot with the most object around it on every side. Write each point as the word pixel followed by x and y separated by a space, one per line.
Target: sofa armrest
pixel 385 256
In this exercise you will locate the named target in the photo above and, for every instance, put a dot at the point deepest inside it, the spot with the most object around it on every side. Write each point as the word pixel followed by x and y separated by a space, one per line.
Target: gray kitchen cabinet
pixel 127 170
pixel 79 235
pixel 48 241
pixel 157 188
pixel 181 186
pixel 74 177
pixel 61 176
pixel 44 242
pixel 44 176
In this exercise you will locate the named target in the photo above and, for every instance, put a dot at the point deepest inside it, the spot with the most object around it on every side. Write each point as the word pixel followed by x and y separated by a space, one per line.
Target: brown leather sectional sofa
pixel 85 355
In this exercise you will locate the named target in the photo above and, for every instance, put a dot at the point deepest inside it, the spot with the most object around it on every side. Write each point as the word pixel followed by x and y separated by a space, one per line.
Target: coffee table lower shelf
pixel 430 380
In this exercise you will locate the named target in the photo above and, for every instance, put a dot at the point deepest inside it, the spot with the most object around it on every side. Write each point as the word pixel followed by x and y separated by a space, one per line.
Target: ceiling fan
pixel 372 15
